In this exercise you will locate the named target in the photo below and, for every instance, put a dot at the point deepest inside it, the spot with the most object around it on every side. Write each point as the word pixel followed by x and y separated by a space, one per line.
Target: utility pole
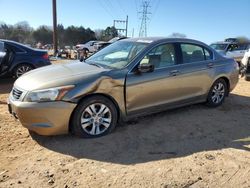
pixel 127 26
pixel 144 19
pixel 122 29
pixel 54 27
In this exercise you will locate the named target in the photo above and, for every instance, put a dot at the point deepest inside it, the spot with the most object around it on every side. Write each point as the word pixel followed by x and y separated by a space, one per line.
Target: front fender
pixel 104 85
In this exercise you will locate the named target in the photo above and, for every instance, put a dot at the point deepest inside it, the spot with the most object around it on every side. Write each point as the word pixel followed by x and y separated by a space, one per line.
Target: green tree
pixel 109 33
pixel 43 34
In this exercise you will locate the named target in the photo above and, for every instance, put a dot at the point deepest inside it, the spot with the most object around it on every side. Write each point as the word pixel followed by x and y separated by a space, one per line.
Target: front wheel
pixel 217 93
pixel 94 117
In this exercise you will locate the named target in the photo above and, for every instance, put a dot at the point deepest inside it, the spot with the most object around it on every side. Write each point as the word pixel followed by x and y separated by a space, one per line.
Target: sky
pixel 204 20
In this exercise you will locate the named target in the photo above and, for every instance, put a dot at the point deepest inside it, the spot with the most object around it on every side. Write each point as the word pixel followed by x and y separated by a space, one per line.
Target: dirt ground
pixel 194 146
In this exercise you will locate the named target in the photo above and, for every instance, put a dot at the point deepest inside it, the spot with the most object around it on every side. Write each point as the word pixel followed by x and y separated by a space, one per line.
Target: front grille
pixel 16 93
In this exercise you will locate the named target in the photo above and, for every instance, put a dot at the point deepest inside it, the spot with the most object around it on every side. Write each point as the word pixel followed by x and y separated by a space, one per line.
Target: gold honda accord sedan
pixel 128 78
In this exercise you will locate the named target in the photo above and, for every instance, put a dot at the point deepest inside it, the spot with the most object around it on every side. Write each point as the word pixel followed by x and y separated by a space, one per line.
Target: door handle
pixel 174 72
pixel 210 65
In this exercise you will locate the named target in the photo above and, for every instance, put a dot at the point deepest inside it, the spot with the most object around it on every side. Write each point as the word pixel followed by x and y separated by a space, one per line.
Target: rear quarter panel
pixel 227 68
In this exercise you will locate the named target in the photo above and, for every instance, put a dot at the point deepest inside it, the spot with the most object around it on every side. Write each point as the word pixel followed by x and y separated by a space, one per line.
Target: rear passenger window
pixel 17 49
pixel 242 47
pixel 208 54
pixel 193 53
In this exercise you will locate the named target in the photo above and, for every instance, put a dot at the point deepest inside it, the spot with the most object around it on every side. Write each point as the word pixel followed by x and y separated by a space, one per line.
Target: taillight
pixel 45 56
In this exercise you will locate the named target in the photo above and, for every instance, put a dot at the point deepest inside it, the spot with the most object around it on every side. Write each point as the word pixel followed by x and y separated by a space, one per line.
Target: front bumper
pixel 47 118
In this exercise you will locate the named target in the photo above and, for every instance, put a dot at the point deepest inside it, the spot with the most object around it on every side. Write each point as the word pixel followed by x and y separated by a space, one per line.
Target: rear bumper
pixel 234 79
pixel 48 118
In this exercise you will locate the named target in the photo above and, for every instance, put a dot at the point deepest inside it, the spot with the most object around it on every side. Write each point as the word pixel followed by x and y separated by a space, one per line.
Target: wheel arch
pixel 226 79
pixel 86 49
pixel 21 63
pixel 13 69
pixel 92 95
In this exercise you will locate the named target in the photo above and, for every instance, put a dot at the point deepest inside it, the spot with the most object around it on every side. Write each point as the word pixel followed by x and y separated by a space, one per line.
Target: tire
pixel 217 93
pixel 94 117
pixel 21 69
pixel 86 50
pixel 247 78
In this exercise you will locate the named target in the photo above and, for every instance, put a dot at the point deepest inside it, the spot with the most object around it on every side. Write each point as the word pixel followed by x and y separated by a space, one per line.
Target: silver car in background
pixel 246 63
pixel 232 49
pixel 128 78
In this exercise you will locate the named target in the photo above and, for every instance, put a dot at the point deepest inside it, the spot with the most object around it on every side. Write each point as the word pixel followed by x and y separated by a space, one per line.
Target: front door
pixel 153 89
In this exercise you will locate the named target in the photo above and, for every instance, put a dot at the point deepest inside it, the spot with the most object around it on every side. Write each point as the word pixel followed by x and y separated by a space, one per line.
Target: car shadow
pixel 171 134
pixel 6 85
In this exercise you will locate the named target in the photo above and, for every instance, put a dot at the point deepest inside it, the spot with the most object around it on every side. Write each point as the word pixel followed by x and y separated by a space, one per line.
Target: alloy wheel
pixel 218 93
pixel 22 69
pixel 96 119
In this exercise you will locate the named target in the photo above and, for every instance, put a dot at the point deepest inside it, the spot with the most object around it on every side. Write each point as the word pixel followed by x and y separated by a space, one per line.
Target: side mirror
pixel 146 67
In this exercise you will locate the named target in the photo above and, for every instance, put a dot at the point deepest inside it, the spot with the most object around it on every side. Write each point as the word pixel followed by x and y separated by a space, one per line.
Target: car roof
pixel 17 44
pixel 164 39
pixel 239 43
pixel 223 42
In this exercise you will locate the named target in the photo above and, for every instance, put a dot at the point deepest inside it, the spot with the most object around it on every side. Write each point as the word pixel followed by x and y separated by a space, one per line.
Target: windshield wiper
pixel 97 65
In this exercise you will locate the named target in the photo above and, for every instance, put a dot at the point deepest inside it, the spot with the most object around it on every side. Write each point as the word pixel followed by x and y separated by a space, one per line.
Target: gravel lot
pixel 194 146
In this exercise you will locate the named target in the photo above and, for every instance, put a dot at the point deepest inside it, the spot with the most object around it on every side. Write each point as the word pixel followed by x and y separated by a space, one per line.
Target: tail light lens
pixel 45 56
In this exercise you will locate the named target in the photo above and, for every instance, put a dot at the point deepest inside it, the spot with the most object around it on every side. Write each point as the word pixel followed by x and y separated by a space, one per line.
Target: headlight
pixel 46 95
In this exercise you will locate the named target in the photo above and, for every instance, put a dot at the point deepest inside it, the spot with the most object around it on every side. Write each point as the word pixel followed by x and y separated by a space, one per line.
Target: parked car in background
pixel 128 78
pixel 17 59
pixel 67 52
pixel 246 63
pixel 232 48
pixel 88 47
pixel 102 44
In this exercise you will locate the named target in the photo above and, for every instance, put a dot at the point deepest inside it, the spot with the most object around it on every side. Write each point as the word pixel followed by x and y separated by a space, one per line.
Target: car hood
pixel 223 52
pixel 56 75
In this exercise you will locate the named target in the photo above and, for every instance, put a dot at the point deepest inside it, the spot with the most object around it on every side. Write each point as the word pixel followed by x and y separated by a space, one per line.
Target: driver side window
pixel 161 56
pixel 232 47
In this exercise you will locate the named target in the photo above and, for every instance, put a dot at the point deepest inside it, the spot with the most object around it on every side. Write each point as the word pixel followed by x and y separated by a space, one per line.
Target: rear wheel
pixel 217 93
pixel 94 117
pixel 21 69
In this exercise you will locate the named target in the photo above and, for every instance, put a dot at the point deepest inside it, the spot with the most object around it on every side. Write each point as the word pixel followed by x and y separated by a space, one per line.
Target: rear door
pixel 196 70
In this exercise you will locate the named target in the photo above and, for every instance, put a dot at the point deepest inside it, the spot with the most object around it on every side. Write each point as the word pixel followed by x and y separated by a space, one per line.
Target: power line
pixel 144 19
pixel 105 8
pixel 157 3
pixel 111 7
pixel 136 6
pixel 121 6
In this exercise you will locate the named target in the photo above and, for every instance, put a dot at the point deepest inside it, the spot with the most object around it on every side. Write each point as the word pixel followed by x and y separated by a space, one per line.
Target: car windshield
pixel 219 46
pixel 117 55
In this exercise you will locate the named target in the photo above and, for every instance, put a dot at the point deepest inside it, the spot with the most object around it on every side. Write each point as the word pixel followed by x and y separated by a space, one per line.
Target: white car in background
pixel 237 51
pixel 246 63
pixel 232 48
pixel 88 47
